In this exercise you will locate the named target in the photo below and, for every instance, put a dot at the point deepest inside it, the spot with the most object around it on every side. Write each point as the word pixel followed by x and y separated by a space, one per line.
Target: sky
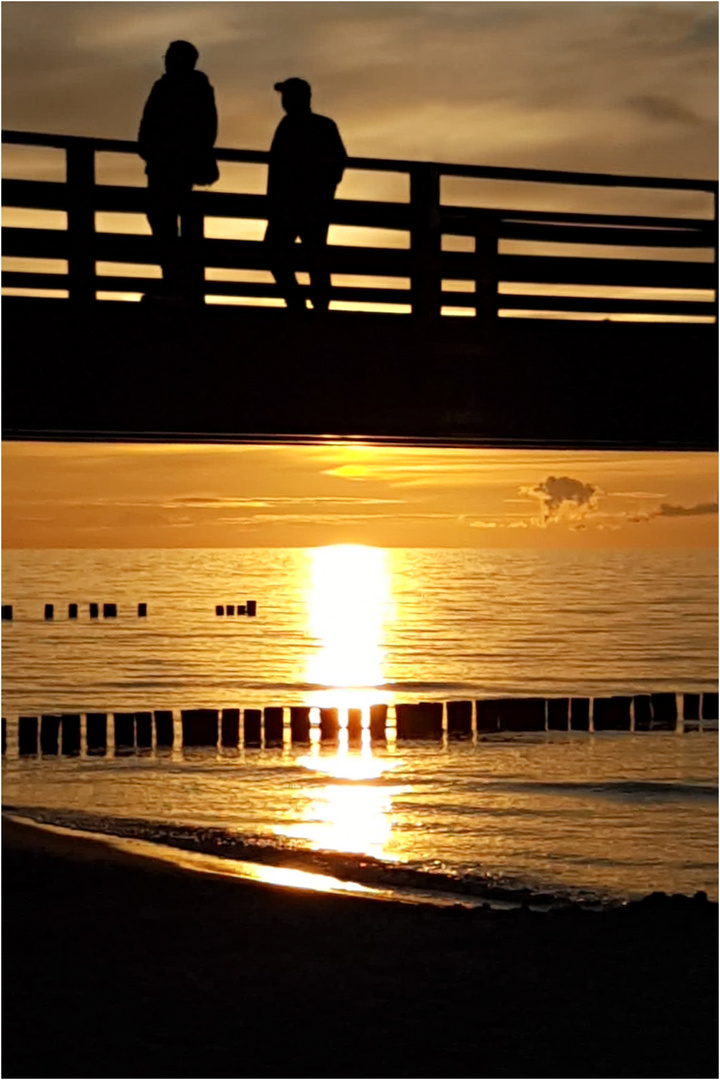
pixel 613 87
pixel 110 495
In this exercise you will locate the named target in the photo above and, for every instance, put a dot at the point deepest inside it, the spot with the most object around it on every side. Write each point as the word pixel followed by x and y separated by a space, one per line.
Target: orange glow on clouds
pixel 110 495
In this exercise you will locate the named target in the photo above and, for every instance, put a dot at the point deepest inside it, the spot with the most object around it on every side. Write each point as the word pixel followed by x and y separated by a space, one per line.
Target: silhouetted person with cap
pixel 176 139
pixel 307 159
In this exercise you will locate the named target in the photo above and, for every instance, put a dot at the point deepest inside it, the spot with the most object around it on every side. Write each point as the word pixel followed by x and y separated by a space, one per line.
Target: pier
pixel 470 305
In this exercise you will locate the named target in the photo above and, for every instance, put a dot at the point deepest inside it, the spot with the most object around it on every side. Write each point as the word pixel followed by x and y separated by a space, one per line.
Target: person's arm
pixel 276 162
pixel 146 133
pixel 338 153
pixel 211 117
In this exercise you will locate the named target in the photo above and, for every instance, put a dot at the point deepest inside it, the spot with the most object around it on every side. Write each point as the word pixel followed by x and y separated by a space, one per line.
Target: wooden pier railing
pixel 481 260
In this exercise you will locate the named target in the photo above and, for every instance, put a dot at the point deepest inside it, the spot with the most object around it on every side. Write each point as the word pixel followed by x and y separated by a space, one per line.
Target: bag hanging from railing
pixel 205 168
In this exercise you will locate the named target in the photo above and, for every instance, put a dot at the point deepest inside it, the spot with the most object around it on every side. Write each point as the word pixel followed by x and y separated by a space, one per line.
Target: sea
pixel 540 818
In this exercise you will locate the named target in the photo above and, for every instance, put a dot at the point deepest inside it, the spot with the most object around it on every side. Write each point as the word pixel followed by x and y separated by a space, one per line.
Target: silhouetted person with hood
pixel 307 159
pixel 176 139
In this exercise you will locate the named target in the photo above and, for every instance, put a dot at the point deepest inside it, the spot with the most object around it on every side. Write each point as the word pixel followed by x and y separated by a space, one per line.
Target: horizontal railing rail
pixel 511 261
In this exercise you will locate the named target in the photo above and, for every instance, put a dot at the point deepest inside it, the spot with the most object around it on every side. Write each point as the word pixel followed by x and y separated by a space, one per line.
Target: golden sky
pixel 608 87
pixel 110 495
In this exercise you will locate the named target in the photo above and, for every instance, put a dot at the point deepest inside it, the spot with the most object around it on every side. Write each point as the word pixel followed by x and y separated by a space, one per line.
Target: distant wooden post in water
pixel 691 707
pixel 329 725
pixel 642 710
pixel 611 713
pixel 124 724
pixel 273 722
pixel 164 728
pixel 354 725
pixel 96 733
pixel 200 727
pixel 70 734
pixel 459 719
pixel 49 734
pixel 419 721
pixel 664 710
pixel 579 714
pixel 230 728
pixel 378 722
pixel 710 706
pixel 252 719
pixel 27 735
pixel 300 724
pixel 143 730
pixel 558 714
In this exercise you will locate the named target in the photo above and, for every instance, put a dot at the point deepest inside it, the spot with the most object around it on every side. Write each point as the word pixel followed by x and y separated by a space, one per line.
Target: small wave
pixel 412 686
pixel 669 789
pixel 403 881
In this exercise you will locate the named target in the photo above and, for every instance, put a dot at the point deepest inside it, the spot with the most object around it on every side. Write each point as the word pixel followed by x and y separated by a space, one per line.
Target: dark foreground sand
pixel 123 967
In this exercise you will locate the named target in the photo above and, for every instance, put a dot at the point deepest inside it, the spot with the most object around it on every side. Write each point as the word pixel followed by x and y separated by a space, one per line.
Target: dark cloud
pixel 557 492
pixel 668 510
pixel 704 30
pixel 657 107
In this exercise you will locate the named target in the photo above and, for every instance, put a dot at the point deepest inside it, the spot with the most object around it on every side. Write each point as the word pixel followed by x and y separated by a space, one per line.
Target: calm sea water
pixel 610 815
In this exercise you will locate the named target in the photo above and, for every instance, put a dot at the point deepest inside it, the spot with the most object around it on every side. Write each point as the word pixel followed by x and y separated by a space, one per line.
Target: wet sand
pixel 120 966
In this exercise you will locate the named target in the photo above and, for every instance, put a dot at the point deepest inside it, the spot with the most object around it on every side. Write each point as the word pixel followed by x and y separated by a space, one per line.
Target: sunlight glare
pixel 349 604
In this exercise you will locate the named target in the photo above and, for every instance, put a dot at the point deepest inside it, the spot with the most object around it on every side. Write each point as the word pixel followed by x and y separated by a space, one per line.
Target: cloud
pixel 668 510
pixel 212 502
pixel 570 85
pixel 634 495
pixel 661 108
pixel 563 493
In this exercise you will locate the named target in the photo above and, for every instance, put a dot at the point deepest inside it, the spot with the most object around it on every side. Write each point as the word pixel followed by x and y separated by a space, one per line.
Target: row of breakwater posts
pixel 110 611
pixel 231 728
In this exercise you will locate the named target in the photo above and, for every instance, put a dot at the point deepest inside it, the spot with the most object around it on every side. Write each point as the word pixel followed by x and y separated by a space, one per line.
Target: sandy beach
pixel 118 966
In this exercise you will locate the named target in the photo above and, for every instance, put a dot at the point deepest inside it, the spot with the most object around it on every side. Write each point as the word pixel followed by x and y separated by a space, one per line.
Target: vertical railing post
pixel 192 233
pixel 487 235
pixel 425 234
pixel 80 181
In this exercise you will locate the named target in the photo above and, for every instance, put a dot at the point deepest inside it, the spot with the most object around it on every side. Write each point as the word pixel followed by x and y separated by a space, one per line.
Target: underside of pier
pixel 107 370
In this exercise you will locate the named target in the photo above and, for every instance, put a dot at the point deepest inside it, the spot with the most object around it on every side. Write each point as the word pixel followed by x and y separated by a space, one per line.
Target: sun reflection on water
pixel 353 814
pixel 349 603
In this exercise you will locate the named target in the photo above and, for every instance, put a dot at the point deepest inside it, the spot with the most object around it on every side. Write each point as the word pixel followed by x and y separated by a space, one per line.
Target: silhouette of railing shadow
pixel 509 265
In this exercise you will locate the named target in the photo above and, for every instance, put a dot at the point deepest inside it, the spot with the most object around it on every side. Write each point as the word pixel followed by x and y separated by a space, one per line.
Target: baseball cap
pixel 293 84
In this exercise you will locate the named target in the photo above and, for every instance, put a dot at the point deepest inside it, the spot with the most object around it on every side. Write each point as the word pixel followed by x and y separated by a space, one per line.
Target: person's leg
pixel 280 238
pixel 313 234
pixel 163 217
pixel 188 272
